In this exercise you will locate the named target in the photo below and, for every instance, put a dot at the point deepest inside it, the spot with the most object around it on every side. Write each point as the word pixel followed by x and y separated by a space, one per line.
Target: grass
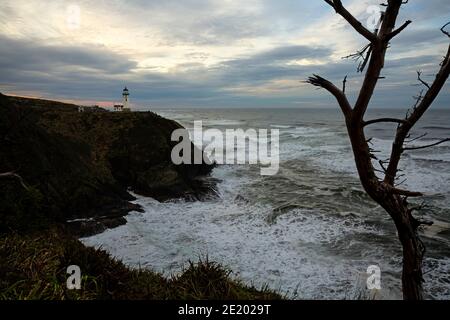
pixel 33 267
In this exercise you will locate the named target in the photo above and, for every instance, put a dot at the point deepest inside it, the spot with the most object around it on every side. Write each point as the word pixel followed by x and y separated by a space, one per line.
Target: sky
pixel 208 53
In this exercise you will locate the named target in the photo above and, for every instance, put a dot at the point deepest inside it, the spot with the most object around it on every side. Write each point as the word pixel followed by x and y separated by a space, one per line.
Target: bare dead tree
pixel 384 190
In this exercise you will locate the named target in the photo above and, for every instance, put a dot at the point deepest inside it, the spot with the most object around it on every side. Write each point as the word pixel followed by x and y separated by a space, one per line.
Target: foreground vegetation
pixel 34 266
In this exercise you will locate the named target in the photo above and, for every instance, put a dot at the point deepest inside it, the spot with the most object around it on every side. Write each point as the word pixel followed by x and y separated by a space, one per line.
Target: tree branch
pixel 433 91
pixel 416 138
pixel 419 78
pixel 344 83
pixel 397 31
pixel 443 29
pixel 340 9
pixel 405 192
pixel 427 146
pixel 376 61
pixel 422 106
pixel 318 81
pixel 363 54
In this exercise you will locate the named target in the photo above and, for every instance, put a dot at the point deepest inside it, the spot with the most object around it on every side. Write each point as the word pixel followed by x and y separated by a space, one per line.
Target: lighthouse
pixel 126 99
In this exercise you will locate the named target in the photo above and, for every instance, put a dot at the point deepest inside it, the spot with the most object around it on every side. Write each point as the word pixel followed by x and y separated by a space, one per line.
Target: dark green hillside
pixel 80 165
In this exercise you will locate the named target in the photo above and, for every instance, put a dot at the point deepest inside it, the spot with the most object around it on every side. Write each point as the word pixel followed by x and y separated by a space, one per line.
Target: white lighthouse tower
pixel 126 99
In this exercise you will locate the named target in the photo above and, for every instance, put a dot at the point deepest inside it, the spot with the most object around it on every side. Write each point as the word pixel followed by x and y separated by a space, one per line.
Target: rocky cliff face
pixel 80 165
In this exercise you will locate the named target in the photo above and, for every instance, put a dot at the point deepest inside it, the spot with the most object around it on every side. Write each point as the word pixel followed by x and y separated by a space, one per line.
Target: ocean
pixel 309 231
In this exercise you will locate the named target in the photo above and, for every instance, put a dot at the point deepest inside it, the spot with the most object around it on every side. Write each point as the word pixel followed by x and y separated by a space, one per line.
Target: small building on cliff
pixel 125 106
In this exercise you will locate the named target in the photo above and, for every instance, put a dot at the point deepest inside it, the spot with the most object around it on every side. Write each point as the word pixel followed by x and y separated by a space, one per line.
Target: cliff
pixel 57 164
pixel 81 165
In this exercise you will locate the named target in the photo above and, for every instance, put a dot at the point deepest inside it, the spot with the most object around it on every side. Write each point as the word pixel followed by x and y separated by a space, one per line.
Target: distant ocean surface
pixel 309 231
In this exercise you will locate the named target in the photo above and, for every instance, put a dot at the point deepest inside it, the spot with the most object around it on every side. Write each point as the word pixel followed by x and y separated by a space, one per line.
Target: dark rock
pixel 86 228
pixel 80 165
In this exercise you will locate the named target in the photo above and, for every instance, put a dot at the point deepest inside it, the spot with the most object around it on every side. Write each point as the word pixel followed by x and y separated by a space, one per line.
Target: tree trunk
pixel 413 250
pixel 412 264
pixel 397 208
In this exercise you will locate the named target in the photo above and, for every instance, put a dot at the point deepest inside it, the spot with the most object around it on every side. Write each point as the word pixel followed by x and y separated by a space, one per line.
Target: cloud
pixel 204 52
pixel 32 56
pixel 283 54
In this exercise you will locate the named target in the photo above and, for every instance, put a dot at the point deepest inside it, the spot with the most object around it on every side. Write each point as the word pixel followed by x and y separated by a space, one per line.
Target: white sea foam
pixel 334 153
pixel 279 126
pixel 311 253
pixel 224 122
pixel 291 254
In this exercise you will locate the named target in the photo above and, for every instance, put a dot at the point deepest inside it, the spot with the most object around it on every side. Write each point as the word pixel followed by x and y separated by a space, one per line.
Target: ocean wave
pixel 223 122
pixel 291 254
pixel 436 128
pixel 279 126
pixel 319 247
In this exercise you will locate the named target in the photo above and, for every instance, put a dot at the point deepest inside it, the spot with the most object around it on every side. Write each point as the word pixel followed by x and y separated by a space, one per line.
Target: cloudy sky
pixel 206 53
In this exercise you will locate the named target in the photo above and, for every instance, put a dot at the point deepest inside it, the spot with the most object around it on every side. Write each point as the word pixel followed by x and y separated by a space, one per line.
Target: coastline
pixel 80 167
